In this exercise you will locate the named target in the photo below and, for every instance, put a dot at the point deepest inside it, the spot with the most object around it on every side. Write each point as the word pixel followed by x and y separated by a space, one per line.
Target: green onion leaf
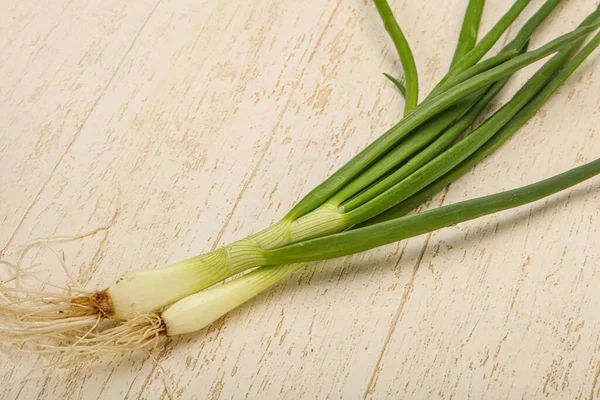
pixel 396 83
pixel 358 240
pixel 420 115
pixel 470 27
pixel 486 43
pixel 406 57
pixel 502 136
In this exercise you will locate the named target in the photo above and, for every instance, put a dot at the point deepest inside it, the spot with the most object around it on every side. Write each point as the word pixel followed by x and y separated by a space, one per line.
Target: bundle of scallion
pixel 362 206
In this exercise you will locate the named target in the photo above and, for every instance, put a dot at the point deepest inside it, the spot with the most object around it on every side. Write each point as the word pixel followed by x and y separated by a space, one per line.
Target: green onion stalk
pixel 365 204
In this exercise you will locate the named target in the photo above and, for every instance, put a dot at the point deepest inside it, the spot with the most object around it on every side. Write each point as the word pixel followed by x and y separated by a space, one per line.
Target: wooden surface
pixel 213 118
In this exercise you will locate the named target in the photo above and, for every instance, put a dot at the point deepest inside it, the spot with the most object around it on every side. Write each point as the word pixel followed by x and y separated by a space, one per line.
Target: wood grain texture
pixel 213 118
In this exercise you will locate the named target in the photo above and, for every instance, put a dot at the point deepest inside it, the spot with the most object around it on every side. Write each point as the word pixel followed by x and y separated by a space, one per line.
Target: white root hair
pixel 142 332
pixel 87 346
pixel 67 322
pixel 34 315
pixel 47 315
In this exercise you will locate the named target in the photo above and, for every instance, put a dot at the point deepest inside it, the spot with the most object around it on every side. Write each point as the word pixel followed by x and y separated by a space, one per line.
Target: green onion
pixel 199 272
pixel 198 311
pixel 361 206
pixel 390 226
pixel 211 304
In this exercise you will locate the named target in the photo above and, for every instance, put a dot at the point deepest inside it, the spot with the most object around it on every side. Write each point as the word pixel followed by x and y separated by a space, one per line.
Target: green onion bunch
pixel 368 202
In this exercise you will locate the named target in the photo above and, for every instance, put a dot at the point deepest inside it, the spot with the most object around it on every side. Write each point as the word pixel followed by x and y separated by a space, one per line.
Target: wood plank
pixel 218 117
pixel 56 60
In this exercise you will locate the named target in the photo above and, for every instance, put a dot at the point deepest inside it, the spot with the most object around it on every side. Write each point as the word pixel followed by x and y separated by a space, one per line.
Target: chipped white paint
pixel 214 117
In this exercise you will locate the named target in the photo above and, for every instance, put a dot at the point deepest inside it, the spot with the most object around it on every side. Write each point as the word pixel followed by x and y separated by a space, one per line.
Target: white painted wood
pixel 213 118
